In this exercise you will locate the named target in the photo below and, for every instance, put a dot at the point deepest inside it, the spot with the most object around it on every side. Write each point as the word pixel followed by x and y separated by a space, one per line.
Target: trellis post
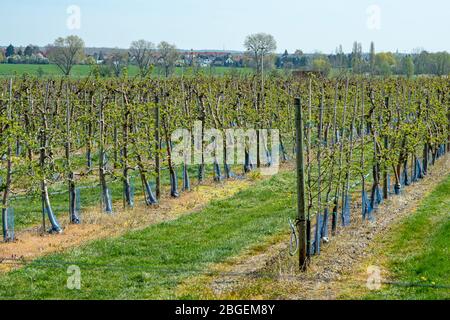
pixel 158 149
pixel 301 208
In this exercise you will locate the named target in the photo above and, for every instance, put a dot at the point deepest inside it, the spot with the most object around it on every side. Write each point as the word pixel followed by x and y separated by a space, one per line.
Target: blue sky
pixel 200 24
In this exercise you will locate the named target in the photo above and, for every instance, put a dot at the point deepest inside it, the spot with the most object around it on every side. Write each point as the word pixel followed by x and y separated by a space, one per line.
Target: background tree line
pixel 260 54
pixel 420 62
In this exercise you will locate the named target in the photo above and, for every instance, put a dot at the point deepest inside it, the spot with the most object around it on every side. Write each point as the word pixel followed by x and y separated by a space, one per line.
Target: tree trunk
pixel 106 196
pixel 7 233
pixel 73 214
pixel 173 176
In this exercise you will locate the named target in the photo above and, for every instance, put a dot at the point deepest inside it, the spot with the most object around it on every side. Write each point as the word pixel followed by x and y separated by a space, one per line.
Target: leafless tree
pixel 167 56
pixel 141 52
pixel 260 45
pixel 66 52
pixel 117 60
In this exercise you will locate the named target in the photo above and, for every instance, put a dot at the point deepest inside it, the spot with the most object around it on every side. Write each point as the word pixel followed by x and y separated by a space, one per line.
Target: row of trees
pixel 69 51
pixel 383 63
pixel 53 129
pixel 261 47
pixel 358 62
pixel 30 55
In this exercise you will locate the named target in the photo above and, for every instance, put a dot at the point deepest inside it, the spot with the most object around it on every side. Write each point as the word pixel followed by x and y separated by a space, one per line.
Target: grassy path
pixel 417 251
pixel 151 263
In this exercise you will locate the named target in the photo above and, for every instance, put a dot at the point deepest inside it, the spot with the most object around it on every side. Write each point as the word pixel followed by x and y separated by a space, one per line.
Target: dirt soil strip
pixel 268 272
pixel 31 243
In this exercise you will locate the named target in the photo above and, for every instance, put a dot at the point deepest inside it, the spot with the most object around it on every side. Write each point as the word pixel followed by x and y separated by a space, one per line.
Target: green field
pixel 49 70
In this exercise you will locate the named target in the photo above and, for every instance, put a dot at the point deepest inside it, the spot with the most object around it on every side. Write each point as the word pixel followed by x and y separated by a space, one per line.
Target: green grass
pixel 149 264
pixel 418 251
pixel 49 70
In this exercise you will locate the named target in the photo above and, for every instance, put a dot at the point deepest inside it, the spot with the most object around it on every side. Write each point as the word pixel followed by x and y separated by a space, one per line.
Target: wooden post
pixel 70 174
pixel 363 137
pixel 340 183
pixel 258 149
pixel 346 190
pixel 301 208
pixel 7 188
pixel 101 160
pixel 158 149
pixel 334 142
pixel 448 139
pixel 319 178
pixel 426 147
pixel 308 173
pixel 385 174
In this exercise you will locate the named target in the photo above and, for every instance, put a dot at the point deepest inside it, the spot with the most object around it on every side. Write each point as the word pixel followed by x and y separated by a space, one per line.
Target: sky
pixel 312 26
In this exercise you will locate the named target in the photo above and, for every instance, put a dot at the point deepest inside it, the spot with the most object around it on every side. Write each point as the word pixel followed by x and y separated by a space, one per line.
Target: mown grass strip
pixel 418 251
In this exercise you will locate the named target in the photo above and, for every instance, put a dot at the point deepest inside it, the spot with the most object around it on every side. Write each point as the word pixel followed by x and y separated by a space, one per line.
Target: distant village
pixel 202 58
pixel 359 62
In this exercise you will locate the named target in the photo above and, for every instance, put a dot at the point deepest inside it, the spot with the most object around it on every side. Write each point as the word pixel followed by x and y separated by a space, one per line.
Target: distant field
pixel 8 70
